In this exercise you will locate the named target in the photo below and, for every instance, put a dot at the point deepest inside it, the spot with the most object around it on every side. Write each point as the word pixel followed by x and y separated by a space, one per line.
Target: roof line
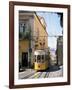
pixel 40 22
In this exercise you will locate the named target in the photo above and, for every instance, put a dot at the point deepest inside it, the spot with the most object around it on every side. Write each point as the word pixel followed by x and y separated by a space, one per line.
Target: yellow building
pixel 32 36
pixel 41 39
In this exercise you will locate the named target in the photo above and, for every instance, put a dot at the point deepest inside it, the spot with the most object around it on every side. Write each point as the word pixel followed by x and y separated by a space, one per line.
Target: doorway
pixel 24 59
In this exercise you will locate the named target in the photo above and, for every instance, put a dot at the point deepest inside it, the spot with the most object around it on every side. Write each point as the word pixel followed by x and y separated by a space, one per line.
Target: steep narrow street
pixel 49 73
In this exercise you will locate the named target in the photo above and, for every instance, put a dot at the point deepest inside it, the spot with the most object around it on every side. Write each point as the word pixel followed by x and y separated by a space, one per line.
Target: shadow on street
pixel 53 68
pixel 50 69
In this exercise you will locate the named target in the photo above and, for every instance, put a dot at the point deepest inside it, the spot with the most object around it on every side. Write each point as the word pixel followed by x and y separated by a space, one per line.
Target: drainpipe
pixel 30 49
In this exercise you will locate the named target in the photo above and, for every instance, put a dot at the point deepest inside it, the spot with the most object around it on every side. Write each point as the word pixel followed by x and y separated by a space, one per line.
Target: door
pixel 24 59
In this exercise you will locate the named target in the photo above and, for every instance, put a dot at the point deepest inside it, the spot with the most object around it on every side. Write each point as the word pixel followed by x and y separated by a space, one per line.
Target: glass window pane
pixel 43 57
pixel 38 58
pixel 35 58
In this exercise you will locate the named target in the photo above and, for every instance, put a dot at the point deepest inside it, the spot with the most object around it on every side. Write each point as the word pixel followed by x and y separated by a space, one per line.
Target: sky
pixel 53 27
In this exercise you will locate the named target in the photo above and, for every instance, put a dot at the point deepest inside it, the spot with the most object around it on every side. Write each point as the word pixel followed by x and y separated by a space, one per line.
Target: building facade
pixel 32 36
pixel 60 50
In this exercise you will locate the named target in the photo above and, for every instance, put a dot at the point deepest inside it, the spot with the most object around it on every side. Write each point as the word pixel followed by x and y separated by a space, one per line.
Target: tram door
pixel 24 59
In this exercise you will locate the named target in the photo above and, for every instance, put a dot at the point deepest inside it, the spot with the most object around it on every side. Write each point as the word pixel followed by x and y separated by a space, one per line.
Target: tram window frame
pixel 43 59
pixel 38 59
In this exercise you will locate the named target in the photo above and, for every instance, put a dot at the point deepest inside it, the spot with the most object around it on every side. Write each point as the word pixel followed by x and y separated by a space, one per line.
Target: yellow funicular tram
pixel 41 60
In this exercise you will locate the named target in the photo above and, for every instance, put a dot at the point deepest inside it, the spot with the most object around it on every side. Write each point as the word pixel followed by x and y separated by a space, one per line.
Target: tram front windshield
pixel 39 58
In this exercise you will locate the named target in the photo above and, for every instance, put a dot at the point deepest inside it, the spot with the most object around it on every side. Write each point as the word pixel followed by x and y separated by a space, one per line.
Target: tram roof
pixel 39 52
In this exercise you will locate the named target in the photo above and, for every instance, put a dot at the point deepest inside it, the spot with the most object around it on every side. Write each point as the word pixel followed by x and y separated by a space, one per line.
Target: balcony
pixel 25 35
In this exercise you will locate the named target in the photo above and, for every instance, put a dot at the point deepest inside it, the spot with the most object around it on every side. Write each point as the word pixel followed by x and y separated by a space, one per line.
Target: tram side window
pixel 42 58
pixel 35 58
pixel 38 58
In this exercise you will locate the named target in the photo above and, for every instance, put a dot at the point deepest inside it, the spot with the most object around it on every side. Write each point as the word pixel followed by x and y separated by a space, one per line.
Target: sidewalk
pixel 26 73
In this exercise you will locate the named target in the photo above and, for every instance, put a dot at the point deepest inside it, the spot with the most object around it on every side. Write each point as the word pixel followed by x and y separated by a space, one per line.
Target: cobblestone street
pixel 54 71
